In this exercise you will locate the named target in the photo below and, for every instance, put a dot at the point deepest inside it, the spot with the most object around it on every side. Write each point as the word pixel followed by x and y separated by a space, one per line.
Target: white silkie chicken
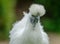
pixel 29 30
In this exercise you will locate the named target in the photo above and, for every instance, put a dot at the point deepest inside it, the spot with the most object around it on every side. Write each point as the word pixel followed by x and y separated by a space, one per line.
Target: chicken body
pixel 28 31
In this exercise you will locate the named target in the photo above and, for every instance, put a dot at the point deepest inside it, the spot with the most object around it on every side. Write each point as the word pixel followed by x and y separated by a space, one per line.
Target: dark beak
pixel 34 20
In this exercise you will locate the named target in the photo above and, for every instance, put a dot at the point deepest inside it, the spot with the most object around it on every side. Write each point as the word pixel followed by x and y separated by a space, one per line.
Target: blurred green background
pixel 11 11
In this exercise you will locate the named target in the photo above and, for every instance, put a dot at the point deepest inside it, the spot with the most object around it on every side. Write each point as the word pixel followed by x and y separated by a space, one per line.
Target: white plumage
pixel 25 32
pixel 36 8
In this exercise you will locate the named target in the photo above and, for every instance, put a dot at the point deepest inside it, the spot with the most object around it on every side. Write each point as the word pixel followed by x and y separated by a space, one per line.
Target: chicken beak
pixel 34 20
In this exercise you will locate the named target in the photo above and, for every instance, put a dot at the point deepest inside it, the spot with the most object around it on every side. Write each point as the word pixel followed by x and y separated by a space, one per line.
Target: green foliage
pixel 7 17
pixel 48 24
pixel 52 22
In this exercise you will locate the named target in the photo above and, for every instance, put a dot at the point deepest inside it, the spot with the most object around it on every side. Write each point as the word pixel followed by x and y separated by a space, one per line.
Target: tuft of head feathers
pixel 37 9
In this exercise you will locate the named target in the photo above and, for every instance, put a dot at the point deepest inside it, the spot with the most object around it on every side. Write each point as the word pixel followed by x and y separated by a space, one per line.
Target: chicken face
pixel 34 19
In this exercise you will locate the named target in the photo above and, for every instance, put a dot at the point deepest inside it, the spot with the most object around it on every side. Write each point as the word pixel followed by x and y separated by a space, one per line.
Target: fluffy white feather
pixel 36 8
pixel 23 31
